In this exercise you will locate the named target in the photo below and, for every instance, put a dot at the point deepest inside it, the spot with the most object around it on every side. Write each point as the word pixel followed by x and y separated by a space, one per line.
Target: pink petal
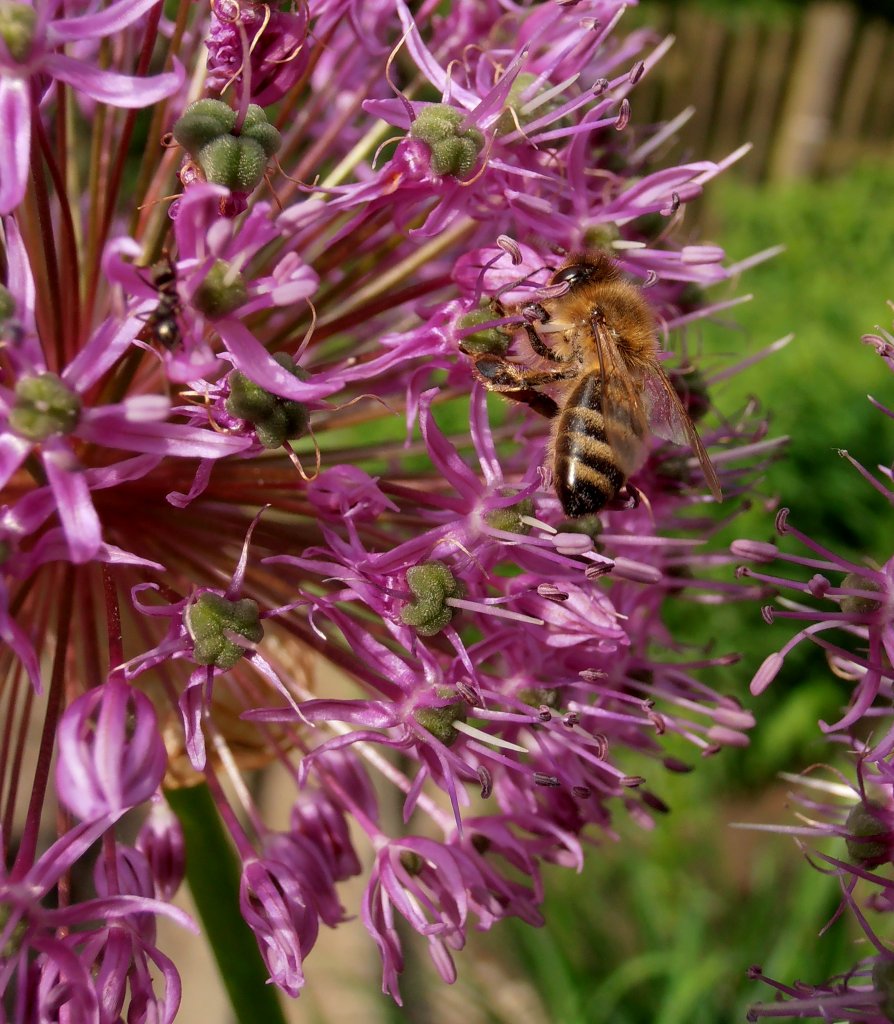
pixel 108 427
pixel 112 88
pixel 76 512
pixel 15 127
pixel 114 18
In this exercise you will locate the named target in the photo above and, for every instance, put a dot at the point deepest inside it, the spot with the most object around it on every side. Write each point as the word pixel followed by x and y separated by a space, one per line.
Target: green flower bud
pixel 234 162
pixel 212 620
pixel 510 519
pixel 275 419
pixel 454 157
pixel 535 696
pixel 516 103
pixel 691 297
pixel 44 407
pixel 491 341
pixel 257 127
pixel 454 150
pixel 431 583
pixel 202 122
pixel 589 526
pixel 411 862
pixel 868 835
pixel 222 291
pixel 439 721
pixel 883 983
pixel 14 942
pixel 601 236
pixel 859 605
pixel 17 24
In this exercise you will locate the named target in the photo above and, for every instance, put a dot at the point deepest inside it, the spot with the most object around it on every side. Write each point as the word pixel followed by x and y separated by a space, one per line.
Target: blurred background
pixel 665 933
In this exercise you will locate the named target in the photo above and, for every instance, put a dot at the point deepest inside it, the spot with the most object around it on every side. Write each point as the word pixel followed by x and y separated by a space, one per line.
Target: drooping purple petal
pixel 110 87
pixel 114 18
pixel 15 127
pixel 80 522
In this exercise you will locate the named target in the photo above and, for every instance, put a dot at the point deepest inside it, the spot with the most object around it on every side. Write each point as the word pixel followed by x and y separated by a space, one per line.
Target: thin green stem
pixel 212 873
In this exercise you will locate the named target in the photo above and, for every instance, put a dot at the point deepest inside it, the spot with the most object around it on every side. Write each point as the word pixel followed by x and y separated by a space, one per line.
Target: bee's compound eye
pixel 572 275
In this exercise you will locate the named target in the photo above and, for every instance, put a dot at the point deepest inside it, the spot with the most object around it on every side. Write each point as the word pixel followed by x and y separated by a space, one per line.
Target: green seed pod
pixel 454 157
pixel 439 721
pixel 535 696
pixel 275 419
pixel 883 983
pixel 17 24
pixel 202 122
pixel 234 162
pixel 44 407
pixel 222 291
pixel 411 862
pixel 211 618
pixel 859 605
pixel 435 123
pixel 454 150
pixel 431 584
pixel 7 305
pixel 868 835
pixel 257 127
pixel 491 341
pixel 510 519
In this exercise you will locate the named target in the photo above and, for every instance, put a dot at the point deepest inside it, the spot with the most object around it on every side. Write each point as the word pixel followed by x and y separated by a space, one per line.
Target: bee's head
pixel 585 269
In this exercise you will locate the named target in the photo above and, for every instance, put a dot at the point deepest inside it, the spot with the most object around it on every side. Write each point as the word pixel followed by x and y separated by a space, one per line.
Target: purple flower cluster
pixel 240 438
pixel 847 825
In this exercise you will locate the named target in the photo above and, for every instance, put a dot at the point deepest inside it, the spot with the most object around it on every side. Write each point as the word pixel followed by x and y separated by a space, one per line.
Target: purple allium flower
pixel 846 607
pixel 273 309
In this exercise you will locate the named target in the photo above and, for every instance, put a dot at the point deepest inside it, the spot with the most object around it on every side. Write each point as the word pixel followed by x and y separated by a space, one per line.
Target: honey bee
pixel 610 385
pixel 162 323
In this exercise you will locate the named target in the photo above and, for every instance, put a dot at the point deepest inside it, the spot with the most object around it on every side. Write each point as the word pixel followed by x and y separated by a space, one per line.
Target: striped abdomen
pixel 588 468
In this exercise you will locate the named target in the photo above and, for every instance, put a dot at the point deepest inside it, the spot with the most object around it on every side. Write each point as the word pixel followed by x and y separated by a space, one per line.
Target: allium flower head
pixel 240 435
pixel 846 607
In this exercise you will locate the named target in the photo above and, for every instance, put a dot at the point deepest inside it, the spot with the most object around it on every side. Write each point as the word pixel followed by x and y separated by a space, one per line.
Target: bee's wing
pixel 669 420
pixel 624 414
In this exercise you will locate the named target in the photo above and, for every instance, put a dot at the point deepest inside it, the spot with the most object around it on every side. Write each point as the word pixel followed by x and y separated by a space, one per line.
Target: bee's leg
pixel 498 374
pixel 537 400
pixel 538 345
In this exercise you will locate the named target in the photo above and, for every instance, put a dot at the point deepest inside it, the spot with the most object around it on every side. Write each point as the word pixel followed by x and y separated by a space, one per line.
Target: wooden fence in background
pixel 814 93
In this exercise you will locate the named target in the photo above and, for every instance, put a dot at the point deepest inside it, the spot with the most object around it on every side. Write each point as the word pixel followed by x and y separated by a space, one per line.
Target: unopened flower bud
pixel 453 149
pixel 222 291
pixel 431 584
pixel 44 406
pixel 163 844
pixel 212 621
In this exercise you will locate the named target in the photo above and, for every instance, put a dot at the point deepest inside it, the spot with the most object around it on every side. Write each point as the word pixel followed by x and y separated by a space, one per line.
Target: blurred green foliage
pixel 829 287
